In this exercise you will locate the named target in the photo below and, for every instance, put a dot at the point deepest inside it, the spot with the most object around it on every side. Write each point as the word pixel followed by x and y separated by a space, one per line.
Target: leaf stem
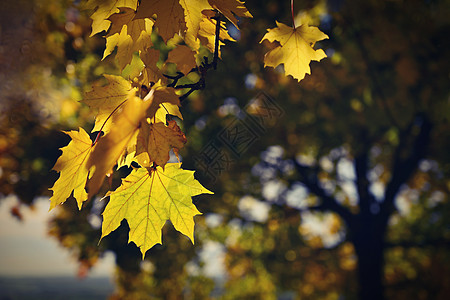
pixel 292 13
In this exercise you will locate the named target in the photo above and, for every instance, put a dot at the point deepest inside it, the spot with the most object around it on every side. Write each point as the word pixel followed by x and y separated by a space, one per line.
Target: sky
pixel 27 250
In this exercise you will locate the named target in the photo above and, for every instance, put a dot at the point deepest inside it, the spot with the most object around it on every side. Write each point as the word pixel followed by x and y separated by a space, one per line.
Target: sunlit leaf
pixel 72 165
pixel 230 9
pixel 296 48
pixel 111 146
pixel 148 198
pixel 104 9
pixel 169 16
pixel 156 140
pixel 106 99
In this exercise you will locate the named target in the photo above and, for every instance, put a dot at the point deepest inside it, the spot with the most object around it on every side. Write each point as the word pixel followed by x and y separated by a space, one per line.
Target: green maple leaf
pixel 148 198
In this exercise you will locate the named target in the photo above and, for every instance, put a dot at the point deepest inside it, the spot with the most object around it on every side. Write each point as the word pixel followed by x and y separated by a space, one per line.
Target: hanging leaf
pixel 73 170
pixel 183 57
pixel 148 198
pixel 296 50
pixel 111 146
pixel 193 17
pixel 169 16
pixel 230 9
pixel 104 9
pixel 155 141
pixel 128 35
pixel 106 99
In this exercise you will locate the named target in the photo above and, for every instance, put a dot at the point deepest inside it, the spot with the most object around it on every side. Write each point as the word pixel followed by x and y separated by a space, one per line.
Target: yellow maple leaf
pixel 111 146
pixel 183 57
pixel 169 16
pixel 106 99
pixel 155 141
pixel 193 17
pixel 296 48
pixel 104 9
pixel 230 9
pixel 162 95
pixel 73 171
pixel 128 35
pixel 167 109
pixel 148 198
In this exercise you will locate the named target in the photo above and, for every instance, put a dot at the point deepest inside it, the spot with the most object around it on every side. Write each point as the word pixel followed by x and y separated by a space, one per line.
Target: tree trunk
pixel 369 248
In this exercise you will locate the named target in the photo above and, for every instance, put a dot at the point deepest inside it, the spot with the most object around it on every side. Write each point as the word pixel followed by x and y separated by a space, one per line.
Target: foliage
pixel 128 130
pixel 363 138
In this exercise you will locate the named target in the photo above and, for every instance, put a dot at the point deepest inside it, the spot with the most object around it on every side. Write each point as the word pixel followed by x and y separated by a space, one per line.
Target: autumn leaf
pixel 106 99
pixel 193 17
pixel 126 159
pixel 111 146
pixel 104 9
pixel 183 57
pixel 169 16
pixel 73 170
pixel 167 109
pixel 162 95
pixel 128 35
pixel 296 48
pixel 155 141
pixel 148 198
pixel 151 72
pixel 230 9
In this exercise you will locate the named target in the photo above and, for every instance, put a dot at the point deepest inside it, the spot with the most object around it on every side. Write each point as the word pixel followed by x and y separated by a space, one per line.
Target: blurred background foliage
pixel 369 129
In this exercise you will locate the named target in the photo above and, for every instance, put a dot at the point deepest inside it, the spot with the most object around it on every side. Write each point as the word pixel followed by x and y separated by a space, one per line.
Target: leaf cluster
pixel 135 123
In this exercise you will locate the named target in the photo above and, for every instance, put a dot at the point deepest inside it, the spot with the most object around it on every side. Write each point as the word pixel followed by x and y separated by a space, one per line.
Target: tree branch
pixel 403 168
pixel 329 203
pixel 202 69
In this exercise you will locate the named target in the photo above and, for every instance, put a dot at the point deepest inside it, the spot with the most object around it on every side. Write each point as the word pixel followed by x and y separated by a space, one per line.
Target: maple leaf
pixel 162 94
pixel 128 35
pixel 111 146
pixel 148 198
pixel 73 170
pixel 106 99
pixel 155 141
pixel 296 48
pixel 104 9
pixel 169 16
pixel 167 109
pixel 126 159
pixel 183 57
pixel 193 17
pixel 230 8
pixel 151 72
pixel 207 33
